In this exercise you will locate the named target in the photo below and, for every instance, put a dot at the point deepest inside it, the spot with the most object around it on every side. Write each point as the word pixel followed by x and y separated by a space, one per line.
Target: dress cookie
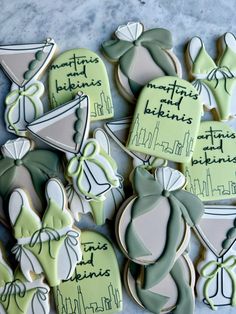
pixel 141 56
pixel 17 295
pixel 95 285
pixel 216 285
pixel 166 119
pixel 22 166
pixel 153 225
pixel 81 70
pixel 50 246
pixel 211 171
pixel 175 292
pixel 23 64
pixel 215 81
pixel 89 167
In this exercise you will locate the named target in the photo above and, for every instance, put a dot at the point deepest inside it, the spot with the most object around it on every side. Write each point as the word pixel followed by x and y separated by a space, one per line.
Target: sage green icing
pixel 33 64
pixel 154 40
pixel 80 125
pixel 231 233
pixel 184 205
pixel 222 88
pixel 226 243
pixel 39 55
pixel 154 302
pixel 98 212
pixel 230 237
pixel 41 164
pixel 28 74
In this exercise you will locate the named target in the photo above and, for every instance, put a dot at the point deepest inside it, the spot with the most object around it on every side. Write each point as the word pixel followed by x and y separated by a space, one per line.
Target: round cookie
pixel 141 56
pixel 153 226
pixel 166 296
pixel 166 119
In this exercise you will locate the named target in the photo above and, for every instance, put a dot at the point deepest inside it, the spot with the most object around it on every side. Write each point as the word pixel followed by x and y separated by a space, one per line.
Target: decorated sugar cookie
pixel 119 132
pixel 95 285
pixel 89 166
pixel 100 210
pixel 216 285
pixel 81 70
pixel 22 166
pixel 153 225
pixel 50 246
pixel 175 292
pixel 23 64
pixel 141 56
pixel 166 119
pixel 17 295
pixel 215 81
pixel 211 171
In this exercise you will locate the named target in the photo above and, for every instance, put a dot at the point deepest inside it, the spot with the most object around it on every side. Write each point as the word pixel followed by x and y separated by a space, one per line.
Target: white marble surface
pixel 86 23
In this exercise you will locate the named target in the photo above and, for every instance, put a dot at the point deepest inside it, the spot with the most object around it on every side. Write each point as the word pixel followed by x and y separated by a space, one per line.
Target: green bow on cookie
pixel 183 206
pixel 154 40
pixel 41 164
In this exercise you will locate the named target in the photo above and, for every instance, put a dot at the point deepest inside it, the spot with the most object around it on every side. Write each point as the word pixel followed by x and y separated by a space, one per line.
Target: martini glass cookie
pixel 24 64
pixel 153 225
pixel 81 70
pixel 141 56
pixel 18 295
pixel 215 81
pixel 91 169
pixel 95 286
pixel 166 119
pixel 50 245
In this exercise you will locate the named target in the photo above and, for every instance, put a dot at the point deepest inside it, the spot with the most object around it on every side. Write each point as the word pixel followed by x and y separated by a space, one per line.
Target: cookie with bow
pixel 215 81
pixel 24 166
pixel 174 293
pixel 90 169
pixel 49 245
pixel 24 64
pixel 141 56
pixel 153 225
pixel 216 285
pixel 17 295
pixel 81 70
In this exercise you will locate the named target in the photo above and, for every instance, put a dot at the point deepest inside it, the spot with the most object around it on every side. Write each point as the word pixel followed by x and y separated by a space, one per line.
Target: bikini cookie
pixel 22 166
pixel 166 120
pixel 119 132
pixel 17 295
pixel 153 226
pixel 89 167
pixel 211 171
pixel 95 285
pixel 24 64
pixel 215 81
pixel 141 56
pixel 81 70
pixel 100 210
pixel 49 245
pixel 175 292
pixel 216 285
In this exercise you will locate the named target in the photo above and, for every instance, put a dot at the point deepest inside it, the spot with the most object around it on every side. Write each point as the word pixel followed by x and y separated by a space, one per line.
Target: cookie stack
pixel 179 162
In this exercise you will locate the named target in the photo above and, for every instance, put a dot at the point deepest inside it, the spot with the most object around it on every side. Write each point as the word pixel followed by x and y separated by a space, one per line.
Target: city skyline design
pixel 110 303
pixel 149 139
pixel 103 108
pixel 206 188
